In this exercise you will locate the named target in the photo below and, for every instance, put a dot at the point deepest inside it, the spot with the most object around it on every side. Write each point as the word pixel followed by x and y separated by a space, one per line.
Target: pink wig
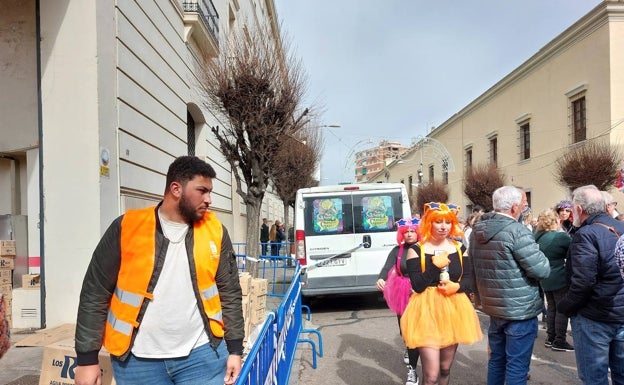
pixel 403 225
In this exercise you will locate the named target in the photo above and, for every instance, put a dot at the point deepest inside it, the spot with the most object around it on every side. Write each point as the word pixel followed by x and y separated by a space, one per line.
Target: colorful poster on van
pixel 377 213
pixel 327 215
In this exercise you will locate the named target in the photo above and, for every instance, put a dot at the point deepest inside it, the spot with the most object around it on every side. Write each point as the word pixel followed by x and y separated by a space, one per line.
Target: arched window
pixel 190 134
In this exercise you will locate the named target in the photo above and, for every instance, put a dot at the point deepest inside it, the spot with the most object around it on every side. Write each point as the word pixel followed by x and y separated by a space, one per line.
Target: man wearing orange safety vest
pixel 162 292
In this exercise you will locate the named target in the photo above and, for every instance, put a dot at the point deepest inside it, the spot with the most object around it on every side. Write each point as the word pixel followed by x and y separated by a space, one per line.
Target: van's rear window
pixel 377 213
pixel 352 213
pixel 327 215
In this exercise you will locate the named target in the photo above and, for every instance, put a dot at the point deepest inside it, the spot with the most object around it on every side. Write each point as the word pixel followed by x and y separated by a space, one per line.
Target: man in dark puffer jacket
pixel 508 266
pixel 595 299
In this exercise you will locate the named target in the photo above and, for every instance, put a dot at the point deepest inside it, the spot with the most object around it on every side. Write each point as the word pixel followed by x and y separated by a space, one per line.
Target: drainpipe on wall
pixel 40 138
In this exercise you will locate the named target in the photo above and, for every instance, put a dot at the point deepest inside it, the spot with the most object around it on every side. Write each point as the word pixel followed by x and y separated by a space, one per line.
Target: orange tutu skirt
pixel 432 319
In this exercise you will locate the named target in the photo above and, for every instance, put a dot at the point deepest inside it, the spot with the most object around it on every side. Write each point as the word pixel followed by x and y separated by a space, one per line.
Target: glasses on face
pixel 614 204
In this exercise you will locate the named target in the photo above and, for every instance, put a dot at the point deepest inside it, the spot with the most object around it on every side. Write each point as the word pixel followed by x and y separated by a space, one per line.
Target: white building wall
pixel 616 63
pixel 71 149
pixel 117 80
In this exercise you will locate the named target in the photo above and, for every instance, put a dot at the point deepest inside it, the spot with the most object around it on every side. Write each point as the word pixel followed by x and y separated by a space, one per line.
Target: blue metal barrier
pixel 279 338
pixel 260 357
pixel 277 269
pixel 290 326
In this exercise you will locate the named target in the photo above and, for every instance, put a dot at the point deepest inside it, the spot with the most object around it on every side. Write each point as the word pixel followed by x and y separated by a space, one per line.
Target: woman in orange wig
pixel 439 315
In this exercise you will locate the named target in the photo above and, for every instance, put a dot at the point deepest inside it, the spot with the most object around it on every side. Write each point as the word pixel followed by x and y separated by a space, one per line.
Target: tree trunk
pixel 253 237
pixel 253 230
pixel 287 224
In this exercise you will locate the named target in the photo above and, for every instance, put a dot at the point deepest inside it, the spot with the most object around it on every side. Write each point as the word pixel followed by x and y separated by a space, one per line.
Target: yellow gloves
pixel 441 260
pixel 447 287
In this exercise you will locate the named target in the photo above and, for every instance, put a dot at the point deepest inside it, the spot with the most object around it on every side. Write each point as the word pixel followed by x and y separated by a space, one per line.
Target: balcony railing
pixel 207 12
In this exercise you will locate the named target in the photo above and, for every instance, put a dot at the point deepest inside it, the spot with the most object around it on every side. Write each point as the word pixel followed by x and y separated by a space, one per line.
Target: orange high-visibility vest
pixel 138 250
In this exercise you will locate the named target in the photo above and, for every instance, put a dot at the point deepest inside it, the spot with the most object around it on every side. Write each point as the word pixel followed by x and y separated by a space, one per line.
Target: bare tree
pixel 295 164
pixel 481 181
pixel 591 163
pixel 259 90
pixel 432 192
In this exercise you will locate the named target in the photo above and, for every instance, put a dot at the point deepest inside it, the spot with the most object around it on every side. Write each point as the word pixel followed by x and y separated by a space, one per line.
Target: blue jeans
pixel 511 346
pixel 598 346
pixel 203 366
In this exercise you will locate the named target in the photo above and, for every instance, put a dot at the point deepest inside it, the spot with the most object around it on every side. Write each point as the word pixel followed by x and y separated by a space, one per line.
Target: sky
pixel 393 69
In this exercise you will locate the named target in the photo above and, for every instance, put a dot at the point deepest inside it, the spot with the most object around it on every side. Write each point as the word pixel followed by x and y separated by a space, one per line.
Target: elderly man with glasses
pixel 595 298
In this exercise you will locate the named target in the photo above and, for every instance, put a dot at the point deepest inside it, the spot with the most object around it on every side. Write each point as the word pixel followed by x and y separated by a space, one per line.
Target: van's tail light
pixel 300 247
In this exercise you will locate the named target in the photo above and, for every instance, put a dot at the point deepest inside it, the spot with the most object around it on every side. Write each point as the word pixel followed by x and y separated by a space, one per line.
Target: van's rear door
pixel 337 223
pixel 329 231
pixel 375 214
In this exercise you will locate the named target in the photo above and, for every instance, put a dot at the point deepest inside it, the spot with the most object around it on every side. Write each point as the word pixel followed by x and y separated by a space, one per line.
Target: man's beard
pixel 577 221
pixel 187 211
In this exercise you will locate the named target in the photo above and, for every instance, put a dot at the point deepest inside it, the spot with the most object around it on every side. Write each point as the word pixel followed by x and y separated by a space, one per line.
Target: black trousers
pixel 556 322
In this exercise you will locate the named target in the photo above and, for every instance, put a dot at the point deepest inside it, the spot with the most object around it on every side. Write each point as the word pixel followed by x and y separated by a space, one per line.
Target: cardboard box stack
pixel 254 300
pixel 7 264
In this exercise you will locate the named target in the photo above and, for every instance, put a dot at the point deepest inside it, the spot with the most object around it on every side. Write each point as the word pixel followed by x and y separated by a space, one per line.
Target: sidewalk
pixel 21 365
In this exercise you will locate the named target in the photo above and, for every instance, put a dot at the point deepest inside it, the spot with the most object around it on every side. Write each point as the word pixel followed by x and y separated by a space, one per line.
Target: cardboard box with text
pixel 7 248
pixel 58 364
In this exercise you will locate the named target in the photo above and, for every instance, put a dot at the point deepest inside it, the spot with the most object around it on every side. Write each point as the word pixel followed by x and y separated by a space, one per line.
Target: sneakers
pixel 412 377
pixel 406 357
pixel 548 343
pixel 562 347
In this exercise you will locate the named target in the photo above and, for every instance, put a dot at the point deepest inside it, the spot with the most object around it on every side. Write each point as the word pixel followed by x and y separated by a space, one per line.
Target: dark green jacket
pixel 554 245
pixel 508 266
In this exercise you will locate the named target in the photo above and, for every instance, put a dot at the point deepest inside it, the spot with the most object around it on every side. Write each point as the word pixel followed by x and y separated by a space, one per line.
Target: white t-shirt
pixel 172 325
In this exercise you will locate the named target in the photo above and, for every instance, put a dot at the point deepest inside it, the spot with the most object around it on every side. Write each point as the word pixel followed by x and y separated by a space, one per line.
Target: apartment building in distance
pixel 372 160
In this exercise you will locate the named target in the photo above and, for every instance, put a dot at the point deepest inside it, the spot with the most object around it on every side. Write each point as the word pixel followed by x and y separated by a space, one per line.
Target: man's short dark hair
pixel 185 168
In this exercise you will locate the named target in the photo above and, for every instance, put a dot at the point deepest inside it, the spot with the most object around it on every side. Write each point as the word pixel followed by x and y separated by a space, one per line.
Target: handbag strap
pixel 611 229
pixel 398 262
pixel 459 252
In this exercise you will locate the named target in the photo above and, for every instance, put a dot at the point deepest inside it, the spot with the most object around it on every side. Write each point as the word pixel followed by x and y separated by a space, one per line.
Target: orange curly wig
pixel 435 211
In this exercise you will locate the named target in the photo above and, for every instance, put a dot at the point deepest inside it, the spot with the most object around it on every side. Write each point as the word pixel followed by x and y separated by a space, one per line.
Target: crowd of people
pixel 565 263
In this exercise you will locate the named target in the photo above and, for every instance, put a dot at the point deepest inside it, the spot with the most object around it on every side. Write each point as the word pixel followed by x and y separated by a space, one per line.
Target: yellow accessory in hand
pixel 441 260
pixel 448 287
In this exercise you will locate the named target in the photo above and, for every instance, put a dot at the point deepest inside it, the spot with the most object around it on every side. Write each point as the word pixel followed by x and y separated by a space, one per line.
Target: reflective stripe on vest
pixel 138 250
pixel 207 252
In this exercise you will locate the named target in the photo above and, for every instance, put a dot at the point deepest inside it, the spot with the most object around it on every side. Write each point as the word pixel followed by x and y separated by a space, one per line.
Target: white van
pixel 344 233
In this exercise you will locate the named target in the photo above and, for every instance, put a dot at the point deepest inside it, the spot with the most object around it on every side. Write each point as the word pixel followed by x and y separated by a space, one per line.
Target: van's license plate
pixel 336 262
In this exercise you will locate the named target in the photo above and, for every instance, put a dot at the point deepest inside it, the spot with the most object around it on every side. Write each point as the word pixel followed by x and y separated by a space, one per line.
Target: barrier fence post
pixel 271 358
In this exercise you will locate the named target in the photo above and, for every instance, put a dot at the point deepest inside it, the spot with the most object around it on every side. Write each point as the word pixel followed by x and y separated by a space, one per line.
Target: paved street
pixel 362 346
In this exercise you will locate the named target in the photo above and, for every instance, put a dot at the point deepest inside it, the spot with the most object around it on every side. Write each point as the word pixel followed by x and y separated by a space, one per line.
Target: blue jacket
pixel 596 289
